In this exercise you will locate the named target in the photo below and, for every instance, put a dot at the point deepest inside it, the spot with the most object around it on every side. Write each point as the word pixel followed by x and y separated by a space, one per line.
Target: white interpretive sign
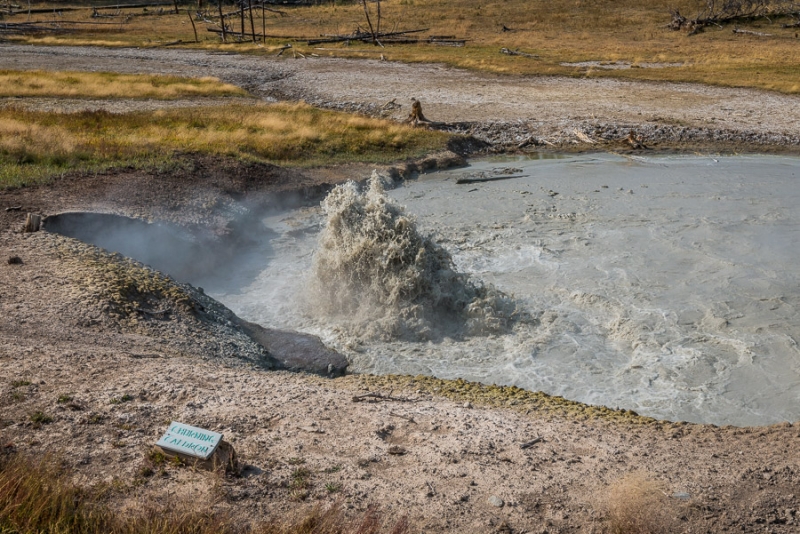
pixel 190 440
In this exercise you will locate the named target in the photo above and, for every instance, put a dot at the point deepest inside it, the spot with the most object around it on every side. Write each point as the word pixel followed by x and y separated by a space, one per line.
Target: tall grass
pixel 35 145
pixel 38 496
pixel 38 83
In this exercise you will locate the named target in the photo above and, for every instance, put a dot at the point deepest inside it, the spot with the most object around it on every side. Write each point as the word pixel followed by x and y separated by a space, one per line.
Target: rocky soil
pixel 98 353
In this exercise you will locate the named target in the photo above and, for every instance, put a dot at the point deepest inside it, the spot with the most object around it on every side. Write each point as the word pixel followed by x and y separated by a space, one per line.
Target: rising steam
pixel 379 278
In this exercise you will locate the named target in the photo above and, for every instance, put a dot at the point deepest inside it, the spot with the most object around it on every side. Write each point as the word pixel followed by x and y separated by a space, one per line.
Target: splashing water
pixel 377 276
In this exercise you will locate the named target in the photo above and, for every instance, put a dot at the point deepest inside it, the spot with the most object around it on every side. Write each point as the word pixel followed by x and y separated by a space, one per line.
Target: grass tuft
pixel 40 418
pixel 636 504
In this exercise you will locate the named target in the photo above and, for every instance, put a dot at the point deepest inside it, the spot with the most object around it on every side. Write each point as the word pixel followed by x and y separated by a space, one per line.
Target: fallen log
pixel 248 8
pixel 23 28
pixel 360 36
pixel 734 12
pixel 441 42
pixel 462 181
pixel 749 32
pixel 80 8
pixel 240 34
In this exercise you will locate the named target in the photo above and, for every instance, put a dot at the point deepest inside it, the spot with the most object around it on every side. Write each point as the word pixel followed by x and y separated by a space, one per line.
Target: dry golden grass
pixel 38 496
pixel 636 504
pixel 35 145
pixel 558 32
pixel 37 83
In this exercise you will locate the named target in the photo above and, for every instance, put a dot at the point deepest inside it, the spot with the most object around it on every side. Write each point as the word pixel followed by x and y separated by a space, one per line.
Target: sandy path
pixel 548 106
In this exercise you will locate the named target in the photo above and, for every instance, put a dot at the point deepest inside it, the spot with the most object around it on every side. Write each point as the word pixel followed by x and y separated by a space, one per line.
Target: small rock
pixel 682 495
pixel 15 260
pixel 397 450
pixel 467 405
pixel 494 500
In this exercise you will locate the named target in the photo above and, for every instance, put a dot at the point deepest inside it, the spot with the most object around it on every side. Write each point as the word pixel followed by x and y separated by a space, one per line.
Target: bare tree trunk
pixel 252 26
pixel 241 14
pixel 194 28
pixel 369 22
pixel 222 22
pixel 263 21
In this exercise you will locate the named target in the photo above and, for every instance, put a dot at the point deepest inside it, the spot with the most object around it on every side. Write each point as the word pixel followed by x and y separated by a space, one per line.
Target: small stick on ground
pixel 377 397
pixel 531 443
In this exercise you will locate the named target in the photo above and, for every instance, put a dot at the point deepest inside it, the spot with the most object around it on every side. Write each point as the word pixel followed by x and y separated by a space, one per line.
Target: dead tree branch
pixel 749 32
pixel 359 36
pixel 378 397
pixel 517 53
pixel 719 12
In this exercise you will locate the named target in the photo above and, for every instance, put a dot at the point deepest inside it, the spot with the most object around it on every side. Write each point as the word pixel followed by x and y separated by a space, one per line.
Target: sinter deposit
pixel 665 285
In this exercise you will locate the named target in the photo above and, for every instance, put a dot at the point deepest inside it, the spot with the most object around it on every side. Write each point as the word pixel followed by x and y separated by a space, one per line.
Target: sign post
pixel 204 448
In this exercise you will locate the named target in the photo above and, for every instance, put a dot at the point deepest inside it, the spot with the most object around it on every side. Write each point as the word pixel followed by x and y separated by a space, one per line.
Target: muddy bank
pixel 189 221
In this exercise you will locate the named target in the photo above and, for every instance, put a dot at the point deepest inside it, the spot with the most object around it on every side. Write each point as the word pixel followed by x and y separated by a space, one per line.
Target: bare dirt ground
pixel 98 354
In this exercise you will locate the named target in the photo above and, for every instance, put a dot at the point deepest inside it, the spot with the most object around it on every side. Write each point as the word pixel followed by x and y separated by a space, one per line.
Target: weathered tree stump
pixel 416 116
pixel 33 223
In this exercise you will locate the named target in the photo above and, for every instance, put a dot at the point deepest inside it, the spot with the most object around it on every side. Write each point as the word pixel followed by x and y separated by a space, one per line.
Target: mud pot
pixel 666 285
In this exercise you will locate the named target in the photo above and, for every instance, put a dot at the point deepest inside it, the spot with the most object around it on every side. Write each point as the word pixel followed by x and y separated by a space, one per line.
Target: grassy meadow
pixel 35 146
pixel 557 33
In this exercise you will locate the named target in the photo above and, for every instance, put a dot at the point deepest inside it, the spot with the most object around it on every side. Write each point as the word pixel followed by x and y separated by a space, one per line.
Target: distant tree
pixel 376 29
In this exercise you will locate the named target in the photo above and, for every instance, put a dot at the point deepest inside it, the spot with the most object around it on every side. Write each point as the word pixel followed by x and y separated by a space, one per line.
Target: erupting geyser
pixel 378 277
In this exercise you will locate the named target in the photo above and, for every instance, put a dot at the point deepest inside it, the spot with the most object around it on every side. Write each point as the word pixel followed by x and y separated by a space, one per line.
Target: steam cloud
pixel 379 278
